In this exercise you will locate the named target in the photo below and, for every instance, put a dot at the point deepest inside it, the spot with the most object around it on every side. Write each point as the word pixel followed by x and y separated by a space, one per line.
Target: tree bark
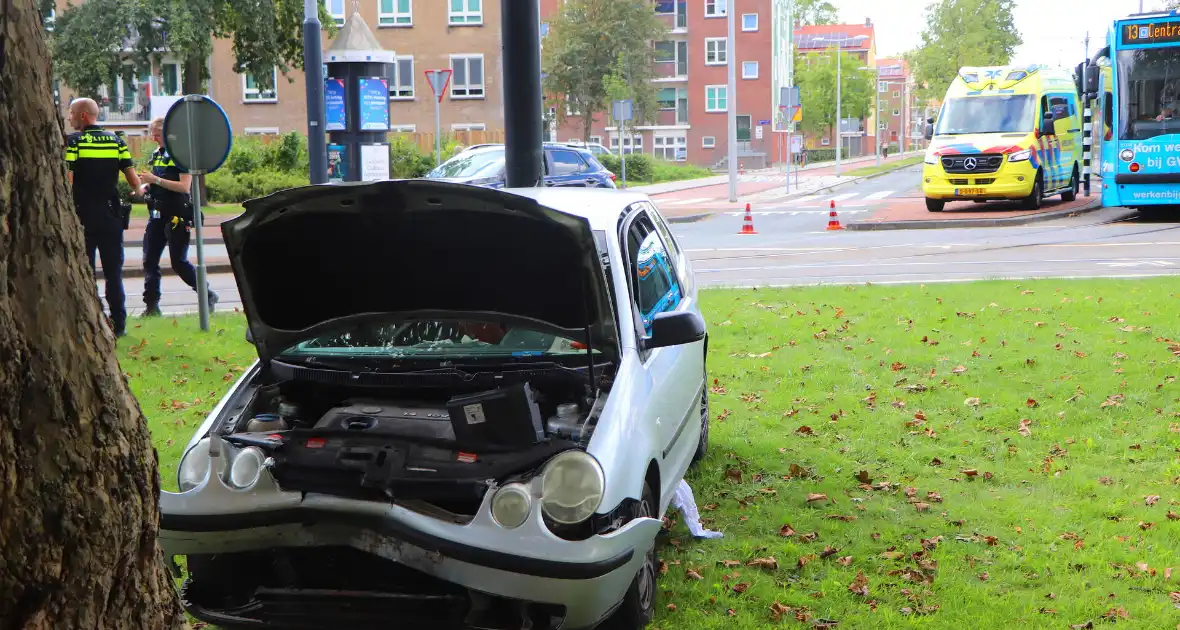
pixel 79 484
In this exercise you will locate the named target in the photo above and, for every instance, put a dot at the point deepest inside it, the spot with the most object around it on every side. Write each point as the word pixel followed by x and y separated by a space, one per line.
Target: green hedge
pixel 226 187
pixel 820 155
pixel 640 166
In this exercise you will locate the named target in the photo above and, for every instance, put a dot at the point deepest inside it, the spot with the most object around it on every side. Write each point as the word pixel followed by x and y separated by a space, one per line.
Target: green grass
pixel 1047 533
pixel 140 211
pixel 674 172
pixel 887 166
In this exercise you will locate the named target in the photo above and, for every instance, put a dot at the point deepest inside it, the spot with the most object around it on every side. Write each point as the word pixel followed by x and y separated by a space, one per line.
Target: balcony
pixel 127 110
pixel 674 14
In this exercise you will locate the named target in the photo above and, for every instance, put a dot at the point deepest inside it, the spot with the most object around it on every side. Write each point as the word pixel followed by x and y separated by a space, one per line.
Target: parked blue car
pixel 565 166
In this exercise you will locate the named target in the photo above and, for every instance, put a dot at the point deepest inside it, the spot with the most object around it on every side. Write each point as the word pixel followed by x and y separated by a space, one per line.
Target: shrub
pixel 406 160
pixel 664 171
pixel 820 155
pixel 288 153
pixel 246 156
pixel 227 187
pixel 612 163
pixel 640 166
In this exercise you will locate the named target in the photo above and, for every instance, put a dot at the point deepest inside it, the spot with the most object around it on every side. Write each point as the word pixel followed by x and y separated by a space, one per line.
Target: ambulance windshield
pixel 987 114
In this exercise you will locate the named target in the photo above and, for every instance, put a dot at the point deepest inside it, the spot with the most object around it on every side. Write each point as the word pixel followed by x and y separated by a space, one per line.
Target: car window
pixel 487 163
pixel 566 162
pixel 1060 107
pixel 678 257
pixel 654 284
pixel 594 164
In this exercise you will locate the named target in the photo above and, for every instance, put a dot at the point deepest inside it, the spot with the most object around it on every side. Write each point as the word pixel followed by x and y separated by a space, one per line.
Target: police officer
pixel 95 158
pixel 167 187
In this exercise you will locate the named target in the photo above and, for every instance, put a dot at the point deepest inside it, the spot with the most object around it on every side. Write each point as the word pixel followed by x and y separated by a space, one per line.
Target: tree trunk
pixel 79 485
pixel 194 69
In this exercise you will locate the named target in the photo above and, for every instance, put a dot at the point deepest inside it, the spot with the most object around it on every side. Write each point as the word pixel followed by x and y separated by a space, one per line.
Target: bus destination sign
pixel 1155 33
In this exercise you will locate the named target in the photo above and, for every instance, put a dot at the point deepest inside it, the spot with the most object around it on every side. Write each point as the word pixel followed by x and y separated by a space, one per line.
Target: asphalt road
pixel 793 248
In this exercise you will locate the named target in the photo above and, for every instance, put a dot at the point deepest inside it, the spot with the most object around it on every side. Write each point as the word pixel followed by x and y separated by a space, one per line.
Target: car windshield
pixel 987 114
pixel 435 339
pixel 481 163
pixel 1149 92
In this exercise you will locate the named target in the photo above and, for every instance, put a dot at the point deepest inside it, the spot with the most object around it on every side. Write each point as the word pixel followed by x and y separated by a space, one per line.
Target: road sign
pixel 438 79
pixel 797 113
pixel 788 96
pixel 621 110
pixel 198 137
pixel 758 132
pixel 796 144
pixel 763 122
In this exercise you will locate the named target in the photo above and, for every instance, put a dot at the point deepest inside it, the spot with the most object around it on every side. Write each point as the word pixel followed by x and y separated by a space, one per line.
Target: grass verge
pixel 676 172
pixel 981 455
pixel 888 166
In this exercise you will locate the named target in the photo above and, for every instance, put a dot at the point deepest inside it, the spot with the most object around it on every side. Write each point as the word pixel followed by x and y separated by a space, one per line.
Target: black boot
pixel 213 299
pixel 152 310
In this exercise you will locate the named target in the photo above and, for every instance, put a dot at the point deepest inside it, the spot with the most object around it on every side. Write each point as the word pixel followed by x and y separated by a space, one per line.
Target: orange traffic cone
pixel 742 168
pixel 748 223
pixel 833 220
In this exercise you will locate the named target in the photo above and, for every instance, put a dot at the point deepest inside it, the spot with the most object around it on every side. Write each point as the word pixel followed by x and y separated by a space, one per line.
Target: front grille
pixel 981 163
pixel 985 181
pixel 959 182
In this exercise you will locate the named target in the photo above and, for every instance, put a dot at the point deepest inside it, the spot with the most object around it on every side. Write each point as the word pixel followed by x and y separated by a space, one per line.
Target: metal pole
pixel 877 118
pixel 839 130
pixel 731 101
pixel 202 282
pixel 437 131
pixel 1087 123
pixel 313 68
pixel 520 40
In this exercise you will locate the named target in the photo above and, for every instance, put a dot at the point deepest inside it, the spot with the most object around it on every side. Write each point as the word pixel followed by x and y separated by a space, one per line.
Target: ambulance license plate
pixel 964 192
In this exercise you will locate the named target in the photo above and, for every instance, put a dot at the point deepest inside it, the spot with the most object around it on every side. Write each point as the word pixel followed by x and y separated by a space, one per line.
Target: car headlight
pixel 572 485
pixel 931 158
pixel 1020 156
pixel 511 505
pixel 247 468
pixel 194 466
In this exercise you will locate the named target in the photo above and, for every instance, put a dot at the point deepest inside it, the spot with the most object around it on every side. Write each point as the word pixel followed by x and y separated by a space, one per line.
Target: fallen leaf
pixel 1151 499
pixel 909 492
pixel 863 477
pixel 731 612
pixel 933 497
pixel 663 568
pixel 672 607
pixel 803 560
pixel 777 611
pixel 972 402
pixel 693 575
pixel 729 564
pixel 1172 516
pixel 841 517
pixel 936 462
pixel 1023 429
pixel 804 430
pixel 891 555
pixel 812 537
pixel 959 370
pixel 897 366
pixel 828 552
pixel 922 507
pixel 770 564
pixel 785 531
pixel 740 587
pixel 1145 526
pixel 1089 625
pixel 1106 481
pixel 970 472
pixel 1116 613
pixel 860 585
pixel 1051 596
pixel 844 561
pixel 709 507
pixel 815 496
pixel 1030 403
pixel 983 577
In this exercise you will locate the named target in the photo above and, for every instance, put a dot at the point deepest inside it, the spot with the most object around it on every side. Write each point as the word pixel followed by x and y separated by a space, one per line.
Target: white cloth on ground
pixel 684 501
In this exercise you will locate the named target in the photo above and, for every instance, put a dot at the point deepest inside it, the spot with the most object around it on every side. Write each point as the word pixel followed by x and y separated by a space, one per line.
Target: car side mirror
pixel 1047 128
pixel 249 335
pixel 675 328
pixel 1090 85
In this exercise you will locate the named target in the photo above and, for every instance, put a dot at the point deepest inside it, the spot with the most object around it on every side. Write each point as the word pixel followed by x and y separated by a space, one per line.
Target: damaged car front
pixel 411 446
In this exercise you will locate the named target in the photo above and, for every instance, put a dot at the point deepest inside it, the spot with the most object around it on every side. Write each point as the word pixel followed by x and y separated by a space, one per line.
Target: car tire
pixel 703 442
pixel 1072 193
pixel 1033 201
pixel 639 604
pixel 935 205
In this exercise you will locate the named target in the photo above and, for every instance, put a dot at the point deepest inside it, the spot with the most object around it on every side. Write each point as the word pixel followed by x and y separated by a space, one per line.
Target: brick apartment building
pixel 692 77
pixel 893 92
pixel 463 35
pixel 821 40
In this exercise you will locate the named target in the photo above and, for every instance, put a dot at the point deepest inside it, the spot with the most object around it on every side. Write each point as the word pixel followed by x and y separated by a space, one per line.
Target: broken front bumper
pixel 529 564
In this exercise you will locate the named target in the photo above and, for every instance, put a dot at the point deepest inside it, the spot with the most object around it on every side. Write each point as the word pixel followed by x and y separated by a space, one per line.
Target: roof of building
pixel 893 67
pixel 815 37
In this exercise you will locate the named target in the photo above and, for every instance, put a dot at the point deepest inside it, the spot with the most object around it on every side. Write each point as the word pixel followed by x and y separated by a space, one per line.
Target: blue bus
pixel 1133 85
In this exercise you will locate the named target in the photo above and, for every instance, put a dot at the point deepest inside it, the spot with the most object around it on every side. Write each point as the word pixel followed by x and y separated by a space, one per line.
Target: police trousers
pixel 161 232
pixel 105 236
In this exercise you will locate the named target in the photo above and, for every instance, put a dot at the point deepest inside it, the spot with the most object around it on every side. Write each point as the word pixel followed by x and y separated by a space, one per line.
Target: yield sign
pixel 439 79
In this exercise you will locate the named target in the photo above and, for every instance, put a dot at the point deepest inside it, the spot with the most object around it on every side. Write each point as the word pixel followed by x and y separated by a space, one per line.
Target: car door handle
pixel 591 181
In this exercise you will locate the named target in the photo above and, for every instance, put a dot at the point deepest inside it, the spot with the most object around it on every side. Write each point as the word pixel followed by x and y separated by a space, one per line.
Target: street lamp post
pixel 731 100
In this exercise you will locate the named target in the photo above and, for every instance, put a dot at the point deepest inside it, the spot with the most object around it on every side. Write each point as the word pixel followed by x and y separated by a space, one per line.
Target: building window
pixel 896 94
pixel 674 52
pixel 170 79
pixel 715 51
pixel 749 22
pixel 708 142
pixel 666 99
pixel 677 8
pixel 402 86
pixel 825 141
pixel 671 148
pixel 715 8
pixel 897 112
pixel 715 98
pixel 749 69
pixel 882 87
pixel 469 12
pixel 595 139
pixel 631 144
pixel 469 127
pixel 252 93
pixel 395 13
pixel 403 129
pixel 467 76
pixel 261 131
pixel 336 10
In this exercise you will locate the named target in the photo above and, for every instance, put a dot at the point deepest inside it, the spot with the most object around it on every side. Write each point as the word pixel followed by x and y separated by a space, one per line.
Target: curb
pixel 1095 204
pixel 844 184
pixel 691 218
pixel 701 183
pixel 217 266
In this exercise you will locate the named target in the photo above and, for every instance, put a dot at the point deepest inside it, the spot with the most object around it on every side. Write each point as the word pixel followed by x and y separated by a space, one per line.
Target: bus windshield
pixel 1149 92
pixel 988 114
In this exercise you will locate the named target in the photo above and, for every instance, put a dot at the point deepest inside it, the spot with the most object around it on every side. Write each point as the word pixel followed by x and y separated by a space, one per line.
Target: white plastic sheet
pixel 684 501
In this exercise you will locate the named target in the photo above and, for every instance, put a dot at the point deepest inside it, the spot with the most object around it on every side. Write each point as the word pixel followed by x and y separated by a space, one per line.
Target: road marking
pixel 766 213
pixel 1138 263
pixel 879 195
pixel 682 202
pixel 839 198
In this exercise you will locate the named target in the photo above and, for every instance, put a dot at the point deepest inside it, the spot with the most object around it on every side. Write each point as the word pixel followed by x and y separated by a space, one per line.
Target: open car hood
pixel 308 256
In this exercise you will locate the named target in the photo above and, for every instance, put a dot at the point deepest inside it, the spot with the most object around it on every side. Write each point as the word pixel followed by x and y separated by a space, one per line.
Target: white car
pixel 470 410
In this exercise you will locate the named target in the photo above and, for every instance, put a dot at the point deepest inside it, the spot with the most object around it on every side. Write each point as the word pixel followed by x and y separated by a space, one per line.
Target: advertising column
pixel 356 104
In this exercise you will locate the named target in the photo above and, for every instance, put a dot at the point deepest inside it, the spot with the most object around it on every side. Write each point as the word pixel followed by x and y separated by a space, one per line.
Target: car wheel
pixel 1033 201
pixel 703 443
pixel 639 604
pixel 1072 193
pixel 935 205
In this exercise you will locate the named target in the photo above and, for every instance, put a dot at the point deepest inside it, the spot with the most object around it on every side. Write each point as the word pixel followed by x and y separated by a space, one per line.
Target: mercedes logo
pixel 970 164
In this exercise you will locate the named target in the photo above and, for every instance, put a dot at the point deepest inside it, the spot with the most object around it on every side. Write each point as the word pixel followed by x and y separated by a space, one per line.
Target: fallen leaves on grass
pixel 777 610
pixel 959 370
pixel 1145 526
pixel 841 517
pixel 1115 613
pixel 1113 401
pixel 815 496
pixel 922 507
pixel 733 474
pixel 1031 403
pixel 972 402
pixel 1024 428
pixel 1151 499
pixel 897 366
pixel 729 564
pixel 812 537
pixel 786 531
pixel 969 472
pixel 803 560
pixel 804 430
pixel 769 563
pixel 740 587
pixel 1172 516
pixel 723 415
pixel 844 561
pixel 693 575
pixel 863 477
pixel 828 552
pixel 860 585
pixel 983 577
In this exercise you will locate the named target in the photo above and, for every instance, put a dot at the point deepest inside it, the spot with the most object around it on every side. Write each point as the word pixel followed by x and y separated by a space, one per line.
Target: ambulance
pixel 1005 133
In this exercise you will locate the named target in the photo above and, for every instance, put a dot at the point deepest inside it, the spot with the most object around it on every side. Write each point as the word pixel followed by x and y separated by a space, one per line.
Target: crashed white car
pixel 471 409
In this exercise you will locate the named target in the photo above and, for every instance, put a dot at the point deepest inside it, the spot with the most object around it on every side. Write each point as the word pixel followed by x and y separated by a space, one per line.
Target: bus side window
pixel 1108 110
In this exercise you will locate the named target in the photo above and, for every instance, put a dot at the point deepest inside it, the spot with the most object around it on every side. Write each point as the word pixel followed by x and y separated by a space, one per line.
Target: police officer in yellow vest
pixel 167 187
pixel 95 158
